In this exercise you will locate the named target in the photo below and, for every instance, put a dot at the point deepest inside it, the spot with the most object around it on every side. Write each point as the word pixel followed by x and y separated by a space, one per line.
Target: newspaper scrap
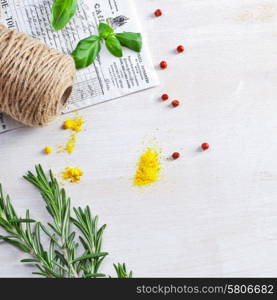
pixel 109 77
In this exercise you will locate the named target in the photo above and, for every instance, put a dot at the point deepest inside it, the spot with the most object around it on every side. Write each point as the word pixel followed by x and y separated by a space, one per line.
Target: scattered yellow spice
pixel 70 145
pixel 76 125
pixel 72 174
pixel 47 150
pixel 149 167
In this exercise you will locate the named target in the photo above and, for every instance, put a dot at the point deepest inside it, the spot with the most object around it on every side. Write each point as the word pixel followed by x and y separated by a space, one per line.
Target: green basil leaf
pixel 105 30
pixel 130 40
pixel 62 12
pixel 86 51
pixel 114 46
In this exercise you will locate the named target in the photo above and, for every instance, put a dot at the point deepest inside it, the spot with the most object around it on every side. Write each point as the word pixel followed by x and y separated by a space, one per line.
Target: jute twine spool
pixel 35 81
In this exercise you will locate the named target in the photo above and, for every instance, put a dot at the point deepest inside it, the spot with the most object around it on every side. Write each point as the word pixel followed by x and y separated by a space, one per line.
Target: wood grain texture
pixel 213 213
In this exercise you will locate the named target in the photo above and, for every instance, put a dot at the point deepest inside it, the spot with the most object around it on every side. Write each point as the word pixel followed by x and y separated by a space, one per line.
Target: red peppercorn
pixel 163 64
pixel 205 146
pixel 158 13
pixel 176 155
pixel 175 103
pixel 165 97
pixel 180 49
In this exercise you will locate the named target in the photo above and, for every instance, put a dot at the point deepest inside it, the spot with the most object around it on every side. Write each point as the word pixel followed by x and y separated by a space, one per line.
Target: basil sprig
pixel 88 49
pixel 62 12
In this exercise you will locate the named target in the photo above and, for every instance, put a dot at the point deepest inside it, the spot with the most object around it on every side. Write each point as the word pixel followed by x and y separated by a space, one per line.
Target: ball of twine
pixel 35 81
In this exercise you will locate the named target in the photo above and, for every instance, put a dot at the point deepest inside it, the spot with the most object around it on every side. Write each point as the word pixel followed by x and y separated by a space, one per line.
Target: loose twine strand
pixel 35 81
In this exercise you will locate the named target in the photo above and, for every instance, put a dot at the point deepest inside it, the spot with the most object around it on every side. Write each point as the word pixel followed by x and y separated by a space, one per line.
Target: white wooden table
pixel 213 213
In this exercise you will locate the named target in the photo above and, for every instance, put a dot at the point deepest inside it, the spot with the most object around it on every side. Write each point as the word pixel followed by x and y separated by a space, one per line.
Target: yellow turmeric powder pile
pixel 72 174
pixel 75 125
pixel 149 167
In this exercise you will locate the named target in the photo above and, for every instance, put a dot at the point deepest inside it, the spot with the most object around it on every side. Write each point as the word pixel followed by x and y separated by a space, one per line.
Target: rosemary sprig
pixel 62 258
pixel 122 271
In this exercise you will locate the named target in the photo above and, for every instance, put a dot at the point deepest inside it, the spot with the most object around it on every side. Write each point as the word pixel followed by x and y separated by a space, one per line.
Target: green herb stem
pixel 61 259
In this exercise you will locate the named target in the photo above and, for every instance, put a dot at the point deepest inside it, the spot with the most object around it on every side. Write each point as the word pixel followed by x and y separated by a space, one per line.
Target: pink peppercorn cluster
pixel 165 97
pixel 164 65
pixel 158 13
pixel 174 103
pixel 179 49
